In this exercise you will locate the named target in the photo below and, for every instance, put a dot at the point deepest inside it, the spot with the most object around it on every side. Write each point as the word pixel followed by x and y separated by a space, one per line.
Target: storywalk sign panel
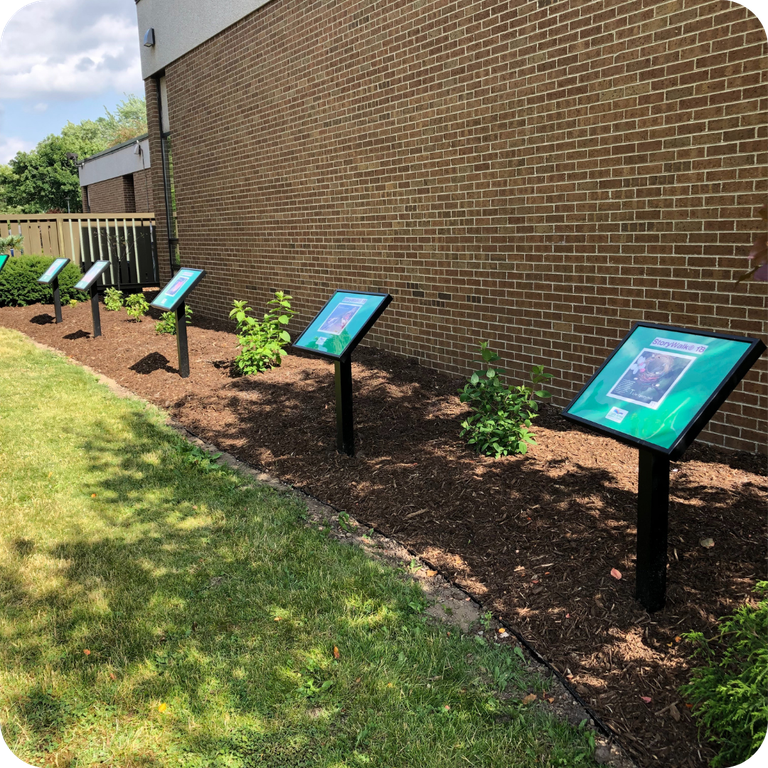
pixel 88 280
pixel 661 385
pixel 177 289
pixel 3 260
pixel 342 322
pixel 53 271
pixel 334 333
pixel 657 391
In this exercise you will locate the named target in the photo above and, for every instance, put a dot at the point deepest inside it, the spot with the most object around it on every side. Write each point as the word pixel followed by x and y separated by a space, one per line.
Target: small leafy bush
pixel 167 321
pixel 113 299
pixel 499 424
pixel 729 695
pixel 19 286
pixel 261 343
pixel 136 306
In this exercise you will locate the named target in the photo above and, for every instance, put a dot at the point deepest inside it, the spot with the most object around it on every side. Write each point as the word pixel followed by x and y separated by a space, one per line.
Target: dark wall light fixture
pixel 149 37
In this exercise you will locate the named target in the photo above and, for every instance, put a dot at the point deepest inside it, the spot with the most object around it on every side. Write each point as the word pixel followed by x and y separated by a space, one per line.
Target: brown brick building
pixel 118 180
pixel 536 174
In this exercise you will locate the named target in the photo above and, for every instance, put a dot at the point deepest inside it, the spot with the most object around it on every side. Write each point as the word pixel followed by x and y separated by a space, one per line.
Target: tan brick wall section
pixel 118 195
pixel 536 174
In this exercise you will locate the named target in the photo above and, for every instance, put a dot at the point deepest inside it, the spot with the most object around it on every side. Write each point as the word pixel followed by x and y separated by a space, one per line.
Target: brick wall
pixel 142 191
pixel 120 195
pixel 537 174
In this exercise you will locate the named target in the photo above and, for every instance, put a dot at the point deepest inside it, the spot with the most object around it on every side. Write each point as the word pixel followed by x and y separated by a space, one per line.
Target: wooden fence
pixel 126 240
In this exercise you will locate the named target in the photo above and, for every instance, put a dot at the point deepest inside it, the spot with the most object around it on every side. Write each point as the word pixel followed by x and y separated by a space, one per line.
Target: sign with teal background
pixel 53 270
pixel 177 289
pixel 92 275
pixel 342 323
pixel 662 384
pixel 3 260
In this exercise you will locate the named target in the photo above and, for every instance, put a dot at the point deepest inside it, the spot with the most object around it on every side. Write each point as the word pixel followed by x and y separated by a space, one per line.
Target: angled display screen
pixel 177 289
pixel 53 271
pixel 342 323
pixel 92 275
pixel 661 385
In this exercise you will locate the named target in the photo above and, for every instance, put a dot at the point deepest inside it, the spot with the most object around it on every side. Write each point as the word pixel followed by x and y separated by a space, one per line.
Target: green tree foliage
pixel 41 180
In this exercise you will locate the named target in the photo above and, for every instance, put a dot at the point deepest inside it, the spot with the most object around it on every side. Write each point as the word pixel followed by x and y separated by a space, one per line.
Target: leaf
pixel 336 654
pixel 707 543
pixel 162 707
pixel 616 574
pixel 530 698
pixel 474 379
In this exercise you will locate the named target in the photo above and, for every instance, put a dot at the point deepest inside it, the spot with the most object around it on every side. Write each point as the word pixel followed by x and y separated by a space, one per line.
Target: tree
pixel 43 179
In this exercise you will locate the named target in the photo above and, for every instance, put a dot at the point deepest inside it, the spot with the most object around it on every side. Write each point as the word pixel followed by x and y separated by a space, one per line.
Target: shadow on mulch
pixel 533 538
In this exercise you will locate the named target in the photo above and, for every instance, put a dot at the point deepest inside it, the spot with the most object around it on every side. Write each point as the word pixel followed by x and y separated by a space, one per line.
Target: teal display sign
pixel 3 260
pixel 662 384
pixel 342 323
pixel 92 275
pixel 178 289
pixel 53 271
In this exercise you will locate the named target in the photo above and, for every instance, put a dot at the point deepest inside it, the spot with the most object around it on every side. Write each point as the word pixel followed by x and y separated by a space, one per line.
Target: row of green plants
pixel 136 307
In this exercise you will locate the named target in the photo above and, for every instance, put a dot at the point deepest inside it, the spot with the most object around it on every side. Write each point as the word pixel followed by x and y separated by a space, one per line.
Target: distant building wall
pixel 536 174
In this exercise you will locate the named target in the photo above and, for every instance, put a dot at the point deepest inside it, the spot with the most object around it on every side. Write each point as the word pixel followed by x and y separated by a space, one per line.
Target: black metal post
pixel 652 525
pixel 56 298
pixel 95 311
pixel 181 340
pixel 345 429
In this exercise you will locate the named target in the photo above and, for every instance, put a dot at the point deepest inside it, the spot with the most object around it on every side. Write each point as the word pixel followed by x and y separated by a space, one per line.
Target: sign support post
pixel 652 527
pixel 345 426
pixel 95 311
pixel 181 340
pixel 56 298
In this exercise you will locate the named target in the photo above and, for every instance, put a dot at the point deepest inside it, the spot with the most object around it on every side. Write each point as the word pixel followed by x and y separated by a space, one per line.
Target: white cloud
pixel 10 146
pixel 38 108
pixel 71 49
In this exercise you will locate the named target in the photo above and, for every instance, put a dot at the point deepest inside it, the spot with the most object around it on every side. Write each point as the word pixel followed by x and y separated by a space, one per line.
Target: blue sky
pixel 63 60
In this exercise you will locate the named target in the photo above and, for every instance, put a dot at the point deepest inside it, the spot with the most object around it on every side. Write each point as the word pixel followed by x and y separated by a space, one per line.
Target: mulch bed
pixel 532 538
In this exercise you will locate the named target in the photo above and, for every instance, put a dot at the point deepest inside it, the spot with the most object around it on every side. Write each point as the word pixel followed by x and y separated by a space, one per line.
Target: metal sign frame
pixel 169 299
pixel 385 300
pixel 679 353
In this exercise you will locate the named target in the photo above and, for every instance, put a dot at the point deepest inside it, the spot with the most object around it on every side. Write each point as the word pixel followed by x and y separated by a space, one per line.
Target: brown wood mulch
pixel 533 538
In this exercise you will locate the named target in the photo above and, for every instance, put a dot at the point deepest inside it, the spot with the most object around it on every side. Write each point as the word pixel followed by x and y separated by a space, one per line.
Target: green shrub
pixel 167 321
pixel 136 306
pixel 730 694
pixel 501 414
pixel 261 343
pixel 19 286
pixel 113 299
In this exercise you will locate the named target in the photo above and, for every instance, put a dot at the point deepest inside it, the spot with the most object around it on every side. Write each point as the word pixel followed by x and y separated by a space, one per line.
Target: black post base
pixel 95 312
pixel 345 430
pixel 652 525
pixel 181 340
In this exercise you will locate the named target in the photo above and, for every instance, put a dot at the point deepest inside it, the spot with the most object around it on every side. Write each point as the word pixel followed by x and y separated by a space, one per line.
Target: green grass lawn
pixel 158 610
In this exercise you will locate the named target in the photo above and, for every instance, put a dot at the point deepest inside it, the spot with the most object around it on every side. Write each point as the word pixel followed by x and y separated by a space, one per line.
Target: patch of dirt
pixel 533 539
